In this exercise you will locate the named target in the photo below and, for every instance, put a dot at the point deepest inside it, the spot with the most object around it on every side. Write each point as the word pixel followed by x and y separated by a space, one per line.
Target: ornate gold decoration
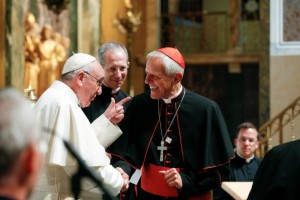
pixel 129 23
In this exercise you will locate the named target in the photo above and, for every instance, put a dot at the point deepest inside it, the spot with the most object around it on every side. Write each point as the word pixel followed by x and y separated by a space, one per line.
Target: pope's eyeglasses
pixel 99 82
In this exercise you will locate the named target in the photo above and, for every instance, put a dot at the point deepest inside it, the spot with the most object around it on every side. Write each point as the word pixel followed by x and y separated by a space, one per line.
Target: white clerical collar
pixel 169 100
pixel 113 91
pixel 248 160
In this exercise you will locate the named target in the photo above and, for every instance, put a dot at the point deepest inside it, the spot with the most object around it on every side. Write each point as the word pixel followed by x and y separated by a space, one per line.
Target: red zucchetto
pixel 174 54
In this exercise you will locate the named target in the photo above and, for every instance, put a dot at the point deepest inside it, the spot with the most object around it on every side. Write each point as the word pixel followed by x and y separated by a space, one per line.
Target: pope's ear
pixel 79 78
pixel 178 77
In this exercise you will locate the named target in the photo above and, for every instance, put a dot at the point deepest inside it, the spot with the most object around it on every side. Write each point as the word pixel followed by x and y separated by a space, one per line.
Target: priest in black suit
pixel 245 164
pixel 178 138
pixel 113 57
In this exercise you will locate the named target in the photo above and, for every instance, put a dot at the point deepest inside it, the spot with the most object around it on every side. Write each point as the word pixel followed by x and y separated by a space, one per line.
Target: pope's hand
pixel 108 155
pixel 115 111
pixel 126 179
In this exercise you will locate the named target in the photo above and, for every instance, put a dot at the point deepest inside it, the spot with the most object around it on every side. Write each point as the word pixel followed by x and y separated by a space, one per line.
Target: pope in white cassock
pixel 59 111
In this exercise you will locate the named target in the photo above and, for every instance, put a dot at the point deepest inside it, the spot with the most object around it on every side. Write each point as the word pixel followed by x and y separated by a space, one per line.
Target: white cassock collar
pixel 169 100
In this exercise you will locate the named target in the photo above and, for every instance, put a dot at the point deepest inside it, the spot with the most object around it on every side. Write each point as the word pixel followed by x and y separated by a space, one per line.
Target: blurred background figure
pixel 21 154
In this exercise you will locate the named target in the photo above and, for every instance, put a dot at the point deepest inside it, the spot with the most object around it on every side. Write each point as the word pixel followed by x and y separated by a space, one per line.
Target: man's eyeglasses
pixel 99 82
pixel 114 68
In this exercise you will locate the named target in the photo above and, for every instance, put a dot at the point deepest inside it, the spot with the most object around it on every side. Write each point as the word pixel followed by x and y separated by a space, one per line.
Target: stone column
pixel 88 26
pixel 14 44
pixel 152 18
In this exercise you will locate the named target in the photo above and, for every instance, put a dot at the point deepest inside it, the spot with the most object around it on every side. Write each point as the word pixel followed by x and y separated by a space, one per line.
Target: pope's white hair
pixel 18 126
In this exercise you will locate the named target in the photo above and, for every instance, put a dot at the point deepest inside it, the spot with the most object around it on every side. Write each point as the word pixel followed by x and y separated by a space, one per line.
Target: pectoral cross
pixel 161 148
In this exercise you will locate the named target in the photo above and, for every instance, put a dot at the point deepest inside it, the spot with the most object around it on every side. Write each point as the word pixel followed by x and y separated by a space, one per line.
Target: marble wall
pixel 284 81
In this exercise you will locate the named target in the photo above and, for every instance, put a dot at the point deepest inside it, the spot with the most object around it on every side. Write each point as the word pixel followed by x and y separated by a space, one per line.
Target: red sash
pixel 154 182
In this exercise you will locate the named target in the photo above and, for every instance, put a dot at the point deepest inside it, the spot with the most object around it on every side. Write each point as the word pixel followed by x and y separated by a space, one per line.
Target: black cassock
pixel 278 176
pixel 195 140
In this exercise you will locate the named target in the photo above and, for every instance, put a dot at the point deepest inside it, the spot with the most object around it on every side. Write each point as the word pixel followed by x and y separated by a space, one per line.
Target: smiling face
pixel 246 142
pixel 161 85
pixel 116 68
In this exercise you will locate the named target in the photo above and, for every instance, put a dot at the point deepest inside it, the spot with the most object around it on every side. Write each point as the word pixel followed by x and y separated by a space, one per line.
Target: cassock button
pixel 169 113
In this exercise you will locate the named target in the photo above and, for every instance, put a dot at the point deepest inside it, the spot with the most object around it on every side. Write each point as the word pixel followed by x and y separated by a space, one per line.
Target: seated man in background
pixel 20 147
pixel 245 164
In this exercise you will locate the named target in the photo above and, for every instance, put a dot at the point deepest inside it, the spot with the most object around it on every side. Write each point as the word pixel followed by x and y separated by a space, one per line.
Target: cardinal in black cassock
pixel 171 127
pixel 278 176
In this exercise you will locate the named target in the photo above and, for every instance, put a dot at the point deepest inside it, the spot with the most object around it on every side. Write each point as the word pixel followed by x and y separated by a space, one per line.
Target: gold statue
pixel 60 55
pixel 31 40
pixel 45 52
